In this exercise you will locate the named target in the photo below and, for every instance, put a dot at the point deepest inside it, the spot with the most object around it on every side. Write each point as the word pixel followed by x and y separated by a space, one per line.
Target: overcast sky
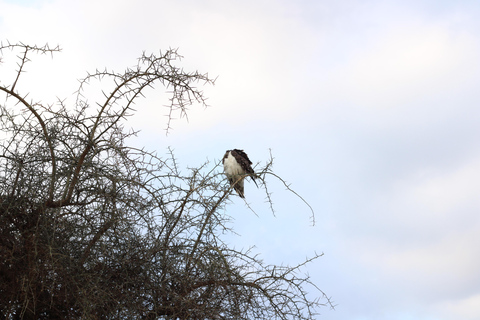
pixel 371 110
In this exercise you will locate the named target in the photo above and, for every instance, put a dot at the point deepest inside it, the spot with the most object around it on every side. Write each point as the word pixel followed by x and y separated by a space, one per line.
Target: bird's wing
pixel 243 160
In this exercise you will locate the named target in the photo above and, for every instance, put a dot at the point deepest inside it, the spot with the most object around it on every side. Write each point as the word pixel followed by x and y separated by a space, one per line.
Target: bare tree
pixel 91 228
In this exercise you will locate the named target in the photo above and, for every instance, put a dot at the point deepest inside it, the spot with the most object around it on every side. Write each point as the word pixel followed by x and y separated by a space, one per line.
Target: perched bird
pixel 237 166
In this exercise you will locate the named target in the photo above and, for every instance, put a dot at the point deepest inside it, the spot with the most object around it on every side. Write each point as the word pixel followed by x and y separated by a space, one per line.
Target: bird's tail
pixel 254 176
pixel 238 186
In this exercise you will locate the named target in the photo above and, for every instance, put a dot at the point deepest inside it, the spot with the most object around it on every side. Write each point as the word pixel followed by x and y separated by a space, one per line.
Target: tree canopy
pixel 92 228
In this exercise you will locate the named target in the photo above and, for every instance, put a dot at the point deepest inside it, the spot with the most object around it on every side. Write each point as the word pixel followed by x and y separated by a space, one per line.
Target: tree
pixel 91 228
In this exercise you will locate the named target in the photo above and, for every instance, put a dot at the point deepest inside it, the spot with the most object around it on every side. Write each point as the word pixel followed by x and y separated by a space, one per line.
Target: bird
pixel 237 166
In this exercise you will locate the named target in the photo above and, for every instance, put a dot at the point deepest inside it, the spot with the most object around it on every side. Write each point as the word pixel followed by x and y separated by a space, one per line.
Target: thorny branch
pixel 93 228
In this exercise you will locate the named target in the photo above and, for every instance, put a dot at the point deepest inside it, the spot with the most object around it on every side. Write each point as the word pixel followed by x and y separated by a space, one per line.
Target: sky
pixel 370 108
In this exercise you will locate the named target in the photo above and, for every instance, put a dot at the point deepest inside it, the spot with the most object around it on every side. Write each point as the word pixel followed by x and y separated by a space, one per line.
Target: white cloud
pixel 467 308
pixel 419 238
pixel 407 63
pixel 451 191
